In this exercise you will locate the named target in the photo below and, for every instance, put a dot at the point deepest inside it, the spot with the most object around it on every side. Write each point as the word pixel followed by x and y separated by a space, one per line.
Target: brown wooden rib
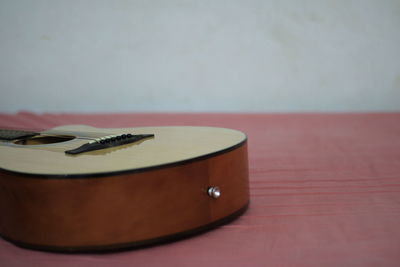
pixel 106 211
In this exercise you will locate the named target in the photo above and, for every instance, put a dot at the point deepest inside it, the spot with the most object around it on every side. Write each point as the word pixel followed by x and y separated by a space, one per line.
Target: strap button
pixel 214 192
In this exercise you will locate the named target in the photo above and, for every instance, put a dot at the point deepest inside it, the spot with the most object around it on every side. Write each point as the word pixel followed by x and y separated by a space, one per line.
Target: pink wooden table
pixel 325 191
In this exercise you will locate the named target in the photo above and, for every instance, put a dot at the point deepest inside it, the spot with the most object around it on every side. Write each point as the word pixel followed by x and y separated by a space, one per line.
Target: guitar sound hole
pixel 42 140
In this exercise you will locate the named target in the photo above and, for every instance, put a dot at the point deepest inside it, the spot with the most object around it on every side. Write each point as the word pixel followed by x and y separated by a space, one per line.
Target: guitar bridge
pixel 108 142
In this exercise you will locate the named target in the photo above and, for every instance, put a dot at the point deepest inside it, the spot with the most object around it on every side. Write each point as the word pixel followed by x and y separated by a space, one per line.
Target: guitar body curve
pixel 134 195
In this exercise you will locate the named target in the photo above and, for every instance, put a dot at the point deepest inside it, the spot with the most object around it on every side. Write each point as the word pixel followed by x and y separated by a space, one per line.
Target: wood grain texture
pixel 123 209
pixel 170 145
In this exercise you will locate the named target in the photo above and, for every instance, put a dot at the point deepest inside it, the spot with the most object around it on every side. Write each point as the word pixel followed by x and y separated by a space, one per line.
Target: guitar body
pixel 154 190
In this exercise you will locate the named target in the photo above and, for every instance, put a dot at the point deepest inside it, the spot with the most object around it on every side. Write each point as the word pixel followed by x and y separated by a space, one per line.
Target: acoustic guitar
pixel 79 188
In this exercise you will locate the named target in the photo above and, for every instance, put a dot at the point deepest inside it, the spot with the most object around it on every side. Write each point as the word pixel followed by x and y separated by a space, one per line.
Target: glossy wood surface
pixel 93 211
pixel 170 145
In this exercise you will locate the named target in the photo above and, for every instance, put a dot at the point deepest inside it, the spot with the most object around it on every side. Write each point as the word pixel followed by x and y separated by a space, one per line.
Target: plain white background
pixel 204 55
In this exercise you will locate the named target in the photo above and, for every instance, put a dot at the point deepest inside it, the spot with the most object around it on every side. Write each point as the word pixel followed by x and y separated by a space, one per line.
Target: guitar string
pixel 77 134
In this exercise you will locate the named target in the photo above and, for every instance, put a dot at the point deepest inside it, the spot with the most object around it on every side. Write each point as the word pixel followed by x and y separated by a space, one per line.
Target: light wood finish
pixel 128 196
pixel 170 145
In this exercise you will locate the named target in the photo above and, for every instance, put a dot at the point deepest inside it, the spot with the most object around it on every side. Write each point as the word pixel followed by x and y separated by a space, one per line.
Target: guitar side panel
pixel 126 210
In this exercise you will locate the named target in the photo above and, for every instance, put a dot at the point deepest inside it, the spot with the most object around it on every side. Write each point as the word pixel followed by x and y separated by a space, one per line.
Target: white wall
pixel 204 55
